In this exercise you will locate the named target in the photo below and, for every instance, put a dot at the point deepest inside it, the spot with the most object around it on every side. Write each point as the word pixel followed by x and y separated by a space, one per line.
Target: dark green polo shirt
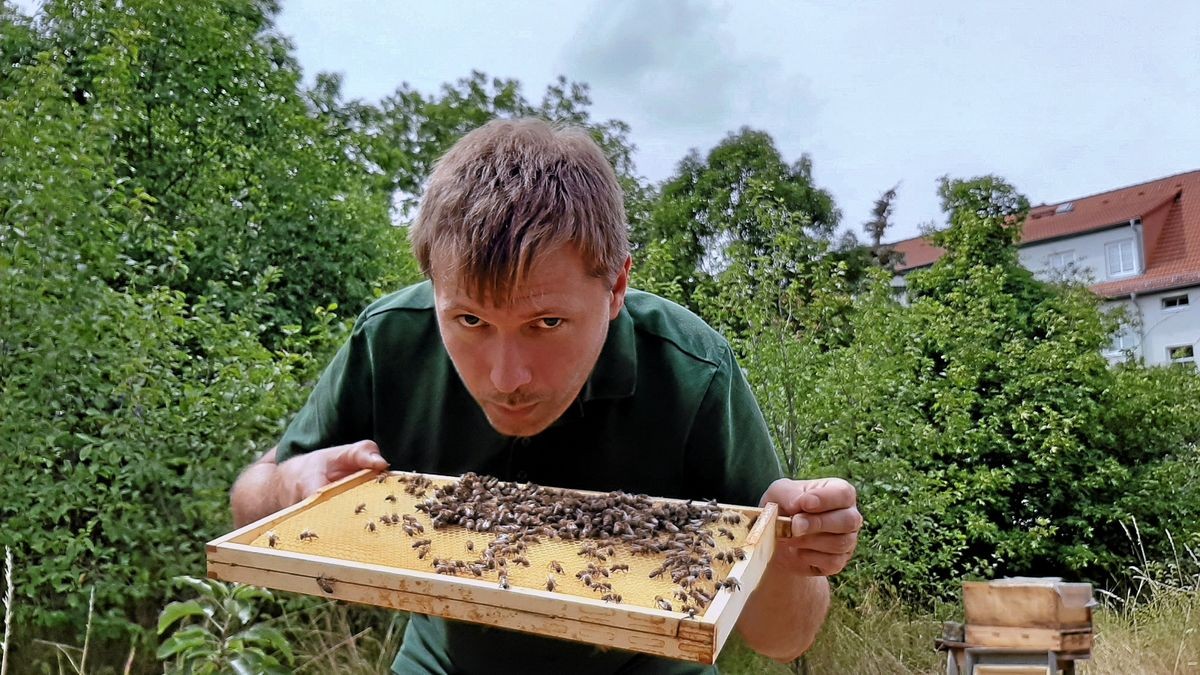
pixel 665 412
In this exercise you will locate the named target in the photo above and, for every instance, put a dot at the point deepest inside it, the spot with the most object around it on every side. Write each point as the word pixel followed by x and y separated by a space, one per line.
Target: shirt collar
pixel 615 373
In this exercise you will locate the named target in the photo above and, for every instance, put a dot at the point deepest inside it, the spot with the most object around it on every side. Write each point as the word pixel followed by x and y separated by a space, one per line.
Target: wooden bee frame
pixel 253 555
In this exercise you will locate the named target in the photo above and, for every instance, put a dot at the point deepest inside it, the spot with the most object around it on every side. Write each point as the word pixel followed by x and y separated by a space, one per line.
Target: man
pixel 526 356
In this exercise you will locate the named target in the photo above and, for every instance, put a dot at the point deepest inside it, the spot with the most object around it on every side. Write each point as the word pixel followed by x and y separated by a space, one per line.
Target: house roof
pixel 1169 209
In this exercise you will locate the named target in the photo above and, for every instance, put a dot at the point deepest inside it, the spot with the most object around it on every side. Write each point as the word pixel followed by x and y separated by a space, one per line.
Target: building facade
pixel 1137 247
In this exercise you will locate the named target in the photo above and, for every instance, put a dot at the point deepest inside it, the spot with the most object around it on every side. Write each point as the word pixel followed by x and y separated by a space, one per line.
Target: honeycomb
pixel 350 526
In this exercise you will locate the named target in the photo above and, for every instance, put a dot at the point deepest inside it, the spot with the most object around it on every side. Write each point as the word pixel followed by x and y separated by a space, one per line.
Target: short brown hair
pixel 512 188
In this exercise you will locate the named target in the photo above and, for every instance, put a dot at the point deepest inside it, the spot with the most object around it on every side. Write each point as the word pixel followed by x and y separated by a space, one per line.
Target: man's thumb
pixel 366 456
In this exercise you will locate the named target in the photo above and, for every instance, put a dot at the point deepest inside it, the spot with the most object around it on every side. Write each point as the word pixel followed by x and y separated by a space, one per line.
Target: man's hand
pixel 825 525
pixel 265 487
pixel 302 475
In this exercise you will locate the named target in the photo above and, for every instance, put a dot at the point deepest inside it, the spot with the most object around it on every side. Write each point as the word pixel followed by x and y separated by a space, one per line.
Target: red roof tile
pixel 1169 209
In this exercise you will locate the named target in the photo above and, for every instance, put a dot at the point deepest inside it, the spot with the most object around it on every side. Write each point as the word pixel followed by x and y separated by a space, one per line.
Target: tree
pixel 209 122
pixel 398 140
pixel 876 228
pixel 704 210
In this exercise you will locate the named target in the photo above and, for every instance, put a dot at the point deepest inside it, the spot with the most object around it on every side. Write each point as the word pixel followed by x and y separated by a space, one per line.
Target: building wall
pixel 1088 252
pixel 1154 329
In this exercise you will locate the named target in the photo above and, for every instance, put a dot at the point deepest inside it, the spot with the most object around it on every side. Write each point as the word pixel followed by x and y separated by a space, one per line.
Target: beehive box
pixel 370 538
pixel 1028 603
pixel 1029 613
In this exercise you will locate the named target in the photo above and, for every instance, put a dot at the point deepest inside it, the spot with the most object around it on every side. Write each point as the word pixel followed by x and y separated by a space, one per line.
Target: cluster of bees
pixel 520 515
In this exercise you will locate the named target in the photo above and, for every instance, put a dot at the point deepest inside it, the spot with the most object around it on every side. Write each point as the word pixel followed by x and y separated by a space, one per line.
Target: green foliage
pixel 708 206
pixel 984 429
pixel 399 139
pixel 986 432
pixel 205 121
pixel 219 632
pixel 129 395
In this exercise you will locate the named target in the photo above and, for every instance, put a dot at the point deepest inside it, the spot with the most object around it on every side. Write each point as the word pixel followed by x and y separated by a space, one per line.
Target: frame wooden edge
pixel 590 610
pixel 728 605
pixel 253 530
pixel 695 647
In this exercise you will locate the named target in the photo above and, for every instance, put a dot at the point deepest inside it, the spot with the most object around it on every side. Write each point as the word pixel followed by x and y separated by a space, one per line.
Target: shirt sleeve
pixel 729 449
pixel 339 409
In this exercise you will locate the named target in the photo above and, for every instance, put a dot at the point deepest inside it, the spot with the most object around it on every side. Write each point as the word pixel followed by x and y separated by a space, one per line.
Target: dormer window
pixel 1122 261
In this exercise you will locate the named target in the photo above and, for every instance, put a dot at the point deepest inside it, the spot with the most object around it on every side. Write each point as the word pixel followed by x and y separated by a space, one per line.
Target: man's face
pixel 526 361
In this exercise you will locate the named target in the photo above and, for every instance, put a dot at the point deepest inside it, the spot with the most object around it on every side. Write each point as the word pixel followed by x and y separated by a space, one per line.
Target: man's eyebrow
pixel 535 311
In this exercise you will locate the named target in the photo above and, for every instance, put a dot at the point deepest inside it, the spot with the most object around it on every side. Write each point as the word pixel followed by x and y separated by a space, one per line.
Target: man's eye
pixel 551 322
pixel 469 320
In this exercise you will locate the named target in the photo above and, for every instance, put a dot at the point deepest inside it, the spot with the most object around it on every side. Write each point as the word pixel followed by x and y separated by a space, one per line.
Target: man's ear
pixel 619 287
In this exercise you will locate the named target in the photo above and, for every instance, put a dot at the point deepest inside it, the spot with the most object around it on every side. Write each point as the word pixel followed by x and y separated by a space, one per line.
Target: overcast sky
pixel 1064 99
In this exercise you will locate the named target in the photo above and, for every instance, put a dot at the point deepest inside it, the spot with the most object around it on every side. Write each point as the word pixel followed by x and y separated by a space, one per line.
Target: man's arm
pixel 266 487
pixel 781 619
pixel 784 614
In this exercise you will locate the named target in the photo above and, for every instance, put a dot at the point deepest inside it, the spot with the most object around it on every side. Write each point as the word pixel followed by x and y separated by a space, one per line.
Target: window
pixel 1062 260
pixel 1120 258
pixel 1181 355
pixel 1175 301
pixel 1122 342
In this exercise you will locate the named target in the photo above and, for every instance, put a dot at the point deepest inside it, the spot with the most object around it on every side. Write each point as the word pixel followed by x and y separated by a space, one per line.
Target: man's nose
pixel 510 367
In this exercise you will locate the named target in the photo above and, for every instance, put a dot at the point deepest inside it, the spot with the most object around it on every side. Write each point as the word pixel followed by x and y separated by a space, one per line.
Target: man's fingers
pixel 346 459
pixel 836 544
pixel 811 496
pixel 844 521
pixel 811 563
pixel 826 494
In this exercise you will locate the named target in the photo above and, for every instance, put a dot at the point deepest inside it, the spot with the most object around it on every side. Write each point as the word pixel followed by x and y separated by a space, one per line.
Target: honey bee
pixel 422 553
pixel 554 565
pixel 360 508
pixel 381 477
pixel 739 553
pixel 421 543
pixel 662 604
pixel 521 560
pixel 390 498
pixel 620 567
pixel 308 535
pixel 370 526
pixel 586 579
pixel 733 518
pixel 272 539
pixel 691 612
pixel 504 581
pixel 470 545
pixel 550 583
pixel 725 533
pixel 731 584
pixel 611 597
pixel 326 583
